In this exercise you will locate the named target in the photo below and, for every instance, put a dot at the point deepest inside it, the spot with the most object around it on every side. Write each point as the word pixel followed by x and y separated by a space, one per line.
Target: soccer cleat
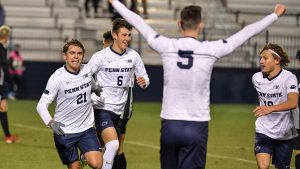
pixel 13 139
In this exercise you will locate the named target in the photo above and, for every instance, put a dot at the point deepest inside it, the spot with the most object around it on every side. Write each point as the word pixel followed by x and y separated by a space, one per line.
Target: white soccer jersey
pixel 188 65
pixel 277 125
pixel 115 74
pixel 72 95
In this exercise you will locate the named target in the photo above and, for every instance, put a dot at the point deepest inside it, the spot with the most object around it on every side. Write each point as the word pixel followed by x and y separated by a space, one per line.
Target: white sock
pixel 109 154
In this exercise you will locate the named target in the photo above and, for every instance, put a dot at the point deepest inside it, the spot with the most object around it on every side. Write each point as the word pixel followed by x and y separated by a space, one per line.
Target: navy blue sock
pixel 297 161
pixel 122 161
pixel 116 163
pixel 4 123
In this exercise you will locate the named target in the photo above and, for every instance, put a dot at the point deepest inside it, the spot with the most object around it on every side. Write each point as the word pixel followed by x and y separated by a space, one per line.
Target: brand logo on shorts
pixel 104 123
pixel 257 148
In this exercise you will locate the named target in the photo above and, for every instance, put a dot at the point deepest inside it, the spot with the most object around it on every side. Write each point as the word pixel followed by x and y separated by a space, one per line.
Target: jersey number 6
pixel 120 80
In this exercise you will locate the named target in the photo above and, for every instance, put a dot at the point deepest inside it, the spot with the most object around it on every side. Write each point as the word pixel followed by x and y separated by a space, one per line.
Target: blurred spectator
pixel 16 71
pixel 224 3
pixel 114 14
pixel 95 6
pixel 134 5
pixel 2 15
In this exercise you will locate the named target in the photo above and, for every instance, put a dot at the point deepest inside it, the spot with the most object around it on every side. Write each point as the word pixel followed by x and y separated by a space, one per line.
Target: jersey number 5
pixel 186 54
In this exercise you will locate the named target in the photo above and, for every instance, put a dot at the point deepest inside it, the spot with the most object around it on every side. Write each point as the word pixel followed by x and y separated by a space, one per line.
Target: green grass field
pixel 230 143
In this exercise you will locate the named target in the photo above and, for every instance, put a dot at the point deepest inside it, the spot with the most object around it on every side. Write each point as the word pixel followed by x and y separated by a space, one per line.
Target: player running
pixel 115 66
pixel 70 87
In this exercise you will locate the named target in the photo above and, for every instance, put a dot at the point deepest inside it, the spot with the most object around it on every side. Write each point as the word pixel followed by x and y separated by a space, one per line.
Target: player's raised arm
pixel 251 30
pixel 134 19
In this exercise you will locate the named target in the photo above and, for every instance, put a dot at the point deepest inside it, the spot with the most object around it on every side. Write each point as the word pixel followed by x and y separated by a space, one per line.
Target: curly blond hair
pixel 277 52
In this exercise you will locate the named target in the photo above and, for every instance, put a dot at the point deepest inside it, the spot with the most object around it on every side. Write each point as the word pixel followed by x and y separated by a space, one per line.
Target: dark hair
pixel 74 42
pixel 190 17
pixel 284 58
pixel 120 23
pixel 298 55
pixel 107 36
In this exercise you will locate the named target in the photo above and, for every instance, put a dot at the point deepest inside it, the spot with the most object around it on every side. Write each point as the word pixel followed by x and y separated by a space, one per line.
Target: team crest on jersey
pixel 293 87
pixel 276 86
pixel 86 75
pixel 129 61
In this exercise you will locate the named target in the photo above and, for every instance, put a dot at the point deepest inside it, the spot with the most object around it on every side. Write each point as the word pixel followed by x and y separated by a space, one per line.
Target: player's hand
pixel 141 82
pixel 56 127
pixel 280 9
pixel 262 110
pixel 97 99
pixel 110 1
pixel 98 90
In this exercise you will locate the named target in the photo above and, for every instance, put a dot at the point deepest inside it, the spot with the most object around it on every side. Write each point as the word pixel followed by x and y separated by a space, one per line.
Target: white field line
pixel 144 145
pixel 209 155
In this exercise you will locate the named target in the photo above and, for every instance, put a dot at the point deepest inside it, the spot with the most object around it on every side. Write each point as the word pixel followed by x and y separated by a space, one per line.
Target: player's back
pixel 188 65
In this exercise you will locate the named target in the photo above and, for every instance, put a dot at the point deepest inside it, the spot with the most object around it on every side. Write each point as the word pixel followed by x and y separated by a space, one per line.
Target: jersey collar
pixel 120 54
pixel 190 37
pixel 74 73
pixel 265 76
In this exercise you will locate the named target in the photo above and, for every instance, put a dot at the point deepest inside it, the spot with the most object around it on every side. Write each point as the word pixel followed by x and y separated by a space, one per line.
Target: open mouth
pixel 75 61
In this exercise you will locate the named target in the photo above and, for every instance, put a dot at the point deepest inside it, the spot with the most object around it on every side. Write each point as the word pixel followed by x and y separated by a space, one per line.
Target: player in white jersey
pixel 278 94
pixel 73 123
pixel 115 66
pixel 188 65
pixel 120 161
pixel 297 141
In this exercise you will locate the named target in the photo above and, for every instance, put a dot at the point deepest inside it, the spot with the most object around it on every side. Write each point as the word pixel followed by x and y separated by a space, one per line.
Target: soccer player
pixel 125 116
pixel 297 140
pixel 107 39
pixel 188 65
pixel 70 88
pixel 115 66
pixel 4 77
pixel 278 94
